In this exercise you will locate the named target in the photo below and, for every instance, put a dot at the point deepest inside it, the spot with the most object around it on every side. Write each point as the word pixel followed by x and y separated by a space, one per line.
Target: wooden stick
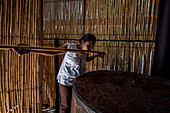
pixel 41 48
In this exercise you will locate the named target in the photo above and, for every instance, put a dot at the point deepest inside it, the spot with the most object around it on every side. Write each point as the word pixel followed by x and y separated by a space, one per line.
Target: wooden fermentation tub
pixel 120 92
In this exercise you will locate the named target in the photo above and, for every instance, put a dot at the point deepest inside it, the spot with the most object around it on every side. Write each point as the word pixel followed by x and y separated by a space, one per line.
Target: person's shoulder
pixel 72 45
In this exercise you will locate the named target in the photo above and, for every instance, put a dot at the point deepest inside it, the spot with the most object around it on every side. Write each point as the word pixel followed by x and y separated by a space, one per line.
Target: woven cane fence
pixel 19 76
pixel 125 31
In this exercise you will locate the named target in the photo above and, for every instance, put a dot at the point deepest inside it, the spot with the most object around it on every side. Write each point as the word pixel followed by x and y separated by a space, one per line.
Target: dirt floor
pixel 121 92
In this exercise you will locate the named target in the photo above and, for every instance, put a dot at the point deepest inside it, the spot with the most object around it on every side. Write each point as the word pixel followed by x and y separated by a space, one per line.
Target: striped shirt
pixel 73 65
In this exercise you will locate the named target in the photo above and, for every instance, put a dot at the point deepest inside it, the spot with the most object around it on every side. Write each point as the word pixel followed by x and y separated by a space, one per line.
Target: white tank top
pixel 73 65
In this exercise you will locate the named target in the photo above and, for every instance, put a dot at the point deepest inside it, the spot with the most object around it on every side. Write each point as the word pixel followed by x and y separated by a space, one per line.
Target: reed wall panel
pixel 19 75
pixel 127 28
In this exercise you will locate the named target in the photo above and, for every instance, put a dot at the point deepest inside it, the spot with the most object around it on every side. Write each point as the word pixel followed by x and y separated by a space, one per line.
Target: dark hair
pixel 87 37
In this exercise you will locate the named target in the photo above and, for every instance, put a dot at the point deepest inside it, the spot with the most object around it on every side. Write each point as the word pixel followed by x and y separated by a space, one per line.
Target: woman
pixel 73 65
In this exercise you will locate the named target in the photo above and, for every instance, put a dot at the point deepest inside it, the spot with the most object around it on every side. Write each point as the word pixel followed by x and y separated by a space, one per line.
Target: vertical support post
pixel 41 57
pixel 56 72
pixel 161 60
pixel 84 17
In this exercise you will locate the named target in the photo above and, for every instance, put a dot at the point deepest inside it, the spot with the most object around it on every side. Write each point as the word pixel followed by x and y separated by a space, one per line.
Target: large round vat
pixel 120 92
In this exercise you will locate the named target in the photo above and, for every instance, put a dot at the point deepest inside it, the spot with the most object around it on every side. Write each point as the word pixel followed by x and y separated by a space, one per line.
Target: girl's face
pixel 87 45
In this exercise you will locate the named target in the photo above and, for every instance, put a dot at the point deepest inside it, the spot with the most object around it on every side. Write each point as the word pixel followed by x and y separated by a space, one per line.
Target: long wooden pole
pixel 56 73
pixel 41 48
pixel 41 57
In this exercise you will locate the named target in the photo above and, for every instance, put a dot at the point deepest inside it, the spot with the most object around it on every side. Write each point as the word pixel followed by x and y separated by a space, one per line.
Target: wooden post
pixel 84 17
pixel 41 57
pixel 56 73
pixel 162 48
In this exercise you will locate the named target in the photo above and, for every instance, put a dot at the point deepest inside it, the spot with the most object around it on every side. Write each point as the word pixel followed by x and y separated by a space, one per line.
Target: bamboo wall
pixel 126 30
pixel 19 76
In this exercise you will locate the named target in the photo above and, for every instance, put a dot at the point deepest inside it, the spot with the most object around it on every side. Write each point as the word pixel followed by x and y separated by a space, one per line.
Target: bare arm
pixel 88 59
